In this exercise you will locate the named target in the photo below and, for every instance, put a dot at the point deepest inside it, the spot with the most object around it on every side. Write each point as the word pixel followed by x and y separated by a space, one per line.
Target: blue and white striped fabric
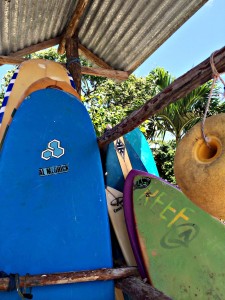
pixel 10 87
pixel 71 80
pixel 7 94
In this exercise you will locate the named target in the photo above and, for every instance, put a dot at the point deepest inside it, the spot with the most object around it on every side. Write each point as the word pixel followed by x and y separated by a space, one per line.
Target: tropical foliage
pixel 177 118
pixel 164 158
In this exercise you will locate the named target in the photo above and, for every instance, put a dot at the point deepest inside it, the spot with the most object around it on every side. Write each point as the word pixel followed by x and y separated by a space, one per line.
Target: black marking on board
pixel 180 236
pixel 120 147
pixel 117 203
pixel 53 170
pixel 142 183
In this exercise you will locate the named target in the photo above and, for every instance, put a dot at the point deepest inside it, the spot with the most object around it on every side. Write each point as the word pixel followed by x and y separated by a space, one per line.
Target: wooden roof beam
pixel 37 47
pixel 178 89
pixel 53 42
pixel 11 60
pixel 115 74
pixel 29 50
pixel 50 43
pixel 93 58
pixel 73 24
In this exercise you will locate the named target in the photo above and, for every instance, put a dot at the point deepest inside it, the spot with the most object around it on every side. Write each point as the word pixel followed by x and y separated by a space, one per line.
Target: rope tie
pixel 14 284
pixel 72 60
pixel 216 76
pixel 12 280
pixel 22 292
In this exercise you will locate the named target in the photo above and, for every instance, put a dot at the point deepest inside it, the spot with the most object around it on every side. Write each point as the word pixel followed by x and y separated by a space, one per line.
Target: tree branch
pixel 69 277
pixel 178 89
pixel 138 290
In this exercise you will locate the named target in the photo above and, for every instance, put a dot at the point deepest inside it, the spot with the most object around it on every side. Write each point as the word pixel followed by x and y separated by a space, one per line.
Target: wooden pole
pixel 109 73
pixel 138 290
pixel 73 63
pixel 178 89
pixel 73 24
pixel 120 75
pixel 69 277
pixel 11 60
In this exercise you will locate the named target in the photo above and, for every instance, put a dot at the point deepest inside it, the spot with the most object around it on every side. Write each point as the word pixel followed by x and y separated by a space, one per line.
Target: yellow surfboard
pixel 34 75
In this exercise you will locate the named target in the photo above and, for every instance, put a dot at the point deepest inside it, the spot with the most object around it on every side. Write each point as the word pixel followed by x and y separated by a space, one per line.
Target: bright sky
pixel 191 44
pixel 201 35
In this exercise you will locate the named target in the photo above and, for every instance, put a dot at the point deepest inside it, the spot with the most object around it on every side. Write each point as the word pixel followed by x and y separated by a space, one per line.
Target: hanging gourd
pixel 200 168
pixel 199 163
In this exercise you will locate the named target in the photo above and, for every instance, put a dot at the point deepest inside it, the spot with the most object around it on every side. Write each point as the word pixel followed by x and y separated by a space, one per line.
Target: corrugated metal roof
pixel 123 33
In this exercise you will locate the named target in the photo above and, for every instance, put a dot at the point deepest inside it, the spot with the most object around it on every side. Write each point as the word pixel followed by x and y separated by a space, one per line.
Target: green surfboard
pixel 182 246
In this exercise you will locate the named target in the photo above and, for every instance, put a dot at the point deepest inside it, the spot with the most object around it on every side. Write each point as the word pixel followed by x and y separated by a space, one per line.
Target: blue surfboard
pixel 139 153
pixel 126 153
pixel 53 212
pixel 140 145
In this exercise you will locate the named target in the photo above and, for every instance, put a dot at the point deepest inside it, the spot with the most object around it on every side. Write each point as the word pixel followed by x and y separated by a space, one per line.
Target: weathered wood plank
pixel 120 75
pixel 37 47
pixel 28 50
pixel 115 74
pixel 73 24
pixel 94 58
pixel 70 277
pixel 138 290
pixel 178 89
pixel 10 60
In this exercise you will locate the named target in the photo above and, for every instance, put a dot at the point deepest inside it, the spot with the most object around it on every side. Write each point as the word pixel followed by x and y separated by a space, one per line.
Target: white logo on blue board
pixel 53 150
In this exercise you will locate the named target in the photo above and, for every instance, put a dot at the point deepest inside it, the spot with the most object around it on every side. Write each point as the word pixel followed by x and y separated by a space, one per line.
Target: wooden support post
pixel 138 290
pixel 73 63
pixel 178 89
pixel 73 24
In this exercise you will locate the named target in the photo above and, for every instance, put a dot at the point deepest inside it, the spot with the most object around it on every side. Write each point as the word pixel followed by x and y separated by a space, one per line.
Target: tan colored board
pixel 124 161
pixel 33 75
pixel 116 214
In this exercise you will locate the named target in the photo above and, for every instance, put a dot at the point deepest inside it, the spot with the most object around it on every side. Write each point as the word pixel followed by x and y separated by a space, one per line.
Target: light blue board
pixel 115 178
pixel 140 156
pixel 53 213
pixel 139 143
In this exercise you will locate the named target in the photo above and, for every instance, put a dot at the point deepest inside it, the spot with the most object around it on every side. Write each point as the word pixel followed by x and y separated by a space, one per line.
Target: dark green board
pixel 185 246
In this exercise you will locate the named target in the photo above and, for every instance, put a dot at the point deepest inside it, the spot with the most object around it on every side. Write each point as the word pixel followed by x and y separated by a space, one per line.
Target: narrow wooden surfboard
pixel 181 245
pixel 125 153
pixel 53 212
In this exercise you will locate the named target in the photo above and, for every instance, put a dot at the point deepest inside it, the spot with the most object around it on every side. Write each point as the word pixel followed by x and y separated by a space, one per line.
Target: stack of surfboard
pixel 177 246
pixel 54 215
pixel 126 153
pixel 53 206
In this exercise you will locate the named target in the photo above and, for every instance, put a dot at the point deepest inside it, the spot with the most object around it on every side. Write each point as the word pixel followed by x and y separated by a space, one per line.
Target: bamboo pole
pixel 178 89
